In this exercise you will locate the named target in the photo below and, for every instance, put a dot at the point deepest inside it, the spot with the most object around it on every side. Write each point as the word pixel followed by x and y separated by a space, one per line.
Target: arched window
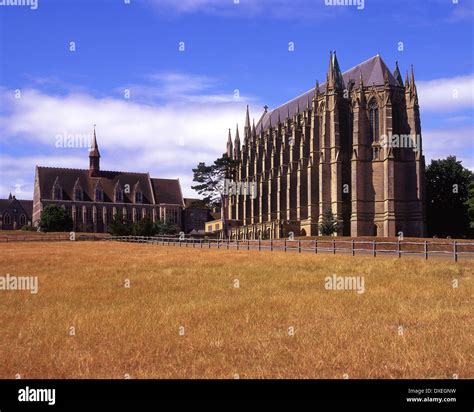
pixel 374 121
pixel 138 197
pixel 6 219
pixel 22 220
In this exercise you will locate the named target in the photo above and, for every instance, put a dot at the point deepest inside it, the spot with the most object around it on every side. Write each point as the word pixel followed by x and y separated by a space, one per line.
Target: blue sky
pixel 161 109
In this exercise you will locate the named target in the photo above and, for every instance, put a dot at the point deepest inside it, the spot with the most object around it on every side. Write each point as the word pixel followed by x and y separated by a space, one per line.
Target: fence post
pixel 299 245
pixel 374 247
pixel 259 245
pixel 333 247
pixel 237 241
pixel 399 249
pixel 218 246
pixel 271 245
pixel 455 251
pixel 316 246
pixel 209 243
pixel 200 241
pixel 285 245
pixel 248 244
pixel 227 243
pixel 353 249
pixel 425 247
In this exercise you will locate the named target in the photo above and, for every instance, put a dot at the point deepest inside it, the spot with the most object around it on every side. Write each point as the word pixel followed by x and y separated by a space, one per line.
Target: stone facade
pixel 347 146
pixel 15 213
pixel 93 196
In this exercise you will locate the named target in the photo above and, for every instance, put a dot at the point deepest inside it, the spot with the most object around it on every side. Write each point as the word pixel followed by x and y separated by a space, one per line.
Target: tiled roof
pixel 158 190
pixel 167 191
pixel 373 72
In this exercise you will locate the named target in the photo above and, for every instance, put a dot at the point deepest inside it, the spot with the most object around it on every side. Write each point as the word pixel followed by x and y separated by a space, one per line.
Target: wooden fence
pixel 451 249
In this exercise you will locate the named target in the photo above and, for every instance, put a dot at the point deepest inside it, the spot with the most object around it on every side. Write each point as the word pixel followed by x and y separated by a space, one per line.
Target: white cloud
pixel 167 139
pixel 281 9
pixel 440 143
pixel 446 94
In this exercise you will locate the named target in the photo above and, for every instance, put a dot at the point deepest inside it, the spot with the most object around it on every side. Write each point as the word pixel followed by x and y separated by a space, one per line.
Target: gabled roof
pixel 27 205
pixel 373 71
pixel 167 191
pixel 68 177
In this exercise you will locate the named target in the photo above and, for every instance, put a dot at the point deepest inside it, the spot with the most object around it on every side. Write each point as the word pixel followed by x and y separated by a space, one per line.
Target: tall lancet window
pixel 374 121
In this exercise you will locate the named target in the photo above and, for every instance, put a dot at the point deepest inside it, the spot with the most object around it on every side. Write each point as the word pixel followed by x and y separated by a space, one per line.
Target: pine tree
pixel 329 224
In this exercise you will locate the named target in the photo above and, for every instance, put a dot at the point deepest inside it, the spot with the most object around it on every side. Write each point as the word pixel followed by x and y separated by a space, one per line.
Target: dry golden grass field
pixel 184 317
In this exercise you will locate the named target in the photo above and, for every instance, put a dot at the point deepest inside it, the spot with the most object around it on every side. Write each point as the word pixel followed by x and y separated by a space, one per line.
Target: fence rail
pixel 47 238
pixel 425 249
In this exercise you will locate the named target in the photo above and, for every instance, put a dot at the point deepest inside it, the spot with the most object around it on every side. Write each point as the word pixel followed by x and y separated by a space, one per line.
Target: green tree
pixel 55 219
pixel 119 226
pixel 211 179
pixel 329 224
pixel 144 227
pixel 212 182
pixel 165 228
pixel 447 198
pixel 470 205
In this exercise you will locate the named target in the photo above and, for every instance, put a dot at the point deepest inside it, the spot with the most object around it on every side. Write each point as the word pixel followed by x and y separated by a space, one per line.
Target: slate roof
pixel 373 70
pixel 154 191
pixel 27 205
pixel 167 191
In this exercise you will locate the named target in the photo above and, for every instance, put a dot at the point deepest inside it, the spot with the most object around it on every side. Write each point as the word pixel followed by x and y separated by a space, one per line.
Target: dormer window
pixel 98 192
pixel 118 193
pixel 78 194
pixel 57 193
pixel 137 193
pixel 99 195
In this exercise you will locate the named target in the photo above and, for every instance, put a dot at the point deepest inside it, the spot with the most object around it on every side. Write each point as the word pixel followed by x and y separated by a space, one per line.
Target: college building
pixel 351 144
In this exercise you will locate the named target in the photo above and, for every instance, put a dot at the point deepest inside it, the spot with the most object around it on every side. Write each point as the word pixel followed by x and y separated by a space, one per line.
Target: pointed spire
pixel 361 80
pixel 407 82
pixel 254 132
pixel 397 75
pixel 94 157
pixel 94 150
pixel 229 145
pixel 316 91
pixel 10 197
pixel 247 129
pixel 412 76
pixel 308 103
pixel 237 144
pixel 330 75
pixel 338 80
